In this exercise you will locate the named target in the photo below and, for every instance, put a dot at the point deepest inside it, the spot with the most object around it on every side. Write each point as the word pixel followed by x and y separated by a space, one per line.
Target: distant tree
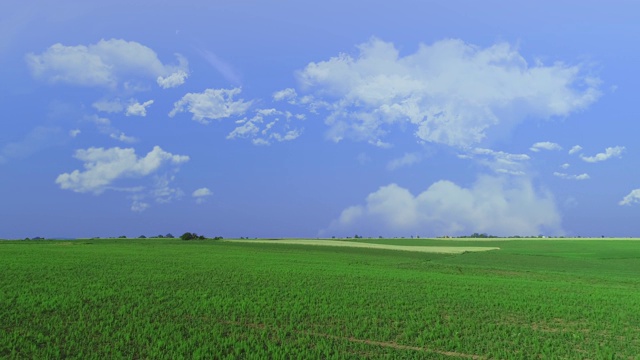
pixel 27 239
pixel 122 237
pixel 142 237
pixel 169 236
pixel 191 236
pixel 187 236
pixel 160 236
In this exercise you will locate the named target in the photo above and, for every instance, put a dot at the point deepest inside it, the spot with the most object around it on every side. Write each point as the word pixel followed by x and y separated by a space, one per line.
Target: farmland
pixel 168 299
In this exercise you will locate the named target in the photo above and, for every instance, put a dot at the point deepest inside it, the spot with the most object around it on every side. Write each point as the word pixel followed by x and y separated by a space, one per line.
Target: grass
pixel 162 298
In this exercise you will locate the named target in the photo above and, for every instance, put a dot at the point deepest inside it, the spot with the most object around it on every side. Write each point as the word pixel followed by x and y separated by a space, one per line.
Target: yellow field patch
pixel 425 249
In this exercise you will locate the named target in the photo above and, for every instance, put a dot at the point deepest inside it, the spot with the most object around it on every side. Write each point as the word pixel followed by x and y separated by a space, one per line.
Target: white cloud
pixel 572 177
pixel 75 132
pixel 607 154
pixel 288 94
pixel 451 92
pixel 499 161
pixel 107 63
pixel 201 194
pixel 139 206
pixel 495 205
pixel 632 198
pixel 545 145
pixel 120 136
pixel 261 132
pixel 381 144
pixel 175 79
pixel 138 109
pixel 575 149
pixel 102 167
pixel 565 166
pixel 407 159
pixel 212 104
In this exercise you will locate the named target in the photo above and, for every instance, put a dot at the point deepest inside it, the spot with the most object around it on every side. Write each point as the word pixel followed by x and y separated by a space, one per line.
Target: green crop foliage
pixel 171 299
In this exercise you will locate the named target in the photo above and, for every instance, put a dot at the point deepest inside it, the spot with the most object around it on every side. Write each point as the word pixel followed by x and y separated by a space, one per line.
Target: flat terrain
pixel 168 299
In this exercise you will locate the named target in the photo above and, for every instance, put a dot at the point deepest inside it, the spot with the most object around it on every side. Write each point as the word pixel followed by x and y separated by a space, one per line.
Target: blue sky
pixel 306 119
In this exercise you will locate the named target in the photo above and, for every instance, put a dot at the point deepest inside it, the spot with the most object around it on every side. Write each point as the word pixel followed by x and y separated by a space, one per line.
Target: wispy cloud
pixel 572 177
pixel 406 160
pixel 39 138
pixel 632 198
pixel 545 145
pixel 575 149
pixel 267 126
pixel 223 67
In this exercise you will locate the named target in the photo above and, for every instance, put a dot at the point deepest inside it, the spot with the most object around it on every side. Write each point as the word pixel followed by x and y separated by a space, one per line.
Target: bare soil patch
pixel 337 243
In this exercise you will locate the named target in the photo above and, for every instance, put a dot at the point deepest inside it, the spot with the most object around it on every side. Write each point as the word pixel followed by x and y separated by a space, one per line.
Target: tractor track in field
pixel 387 344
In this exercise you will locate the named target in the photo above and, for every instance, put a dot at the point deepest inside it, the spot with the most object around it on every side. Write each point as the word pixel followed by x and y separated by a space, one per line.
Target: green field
pixel 172 299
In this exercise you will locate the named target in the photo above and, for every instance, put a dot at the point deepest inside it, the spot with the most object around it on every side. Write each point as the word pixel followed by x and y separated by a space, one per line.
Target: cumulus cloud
pixel 75 132
pixel 107 63
pixel 575 149
pixel 138 109
pixel 632 198
pixel 572 177
pixel 545 145
pixel 493 204
pixel 608 153
pixel 212 104
pixel 267 126
pixel 451 92
pixel 565 166
pixel 102 167
pixel 407 159
pixel 201 194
